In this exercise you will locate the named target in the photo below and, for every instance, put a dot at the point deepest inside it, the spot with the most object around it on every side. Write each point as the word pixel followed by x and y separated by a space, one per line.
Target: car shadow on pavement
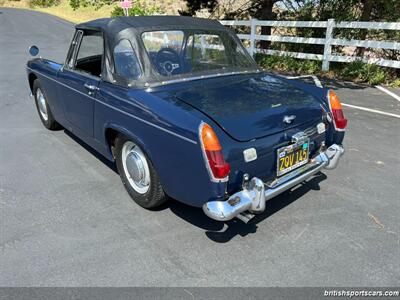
pixel 96 154
pixel 223 232
pixel 220 232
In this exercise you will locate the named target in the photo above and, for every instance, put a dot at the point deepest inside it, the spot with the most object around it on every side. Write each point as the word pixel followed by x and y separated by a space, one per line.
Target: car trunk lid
pixel 252 106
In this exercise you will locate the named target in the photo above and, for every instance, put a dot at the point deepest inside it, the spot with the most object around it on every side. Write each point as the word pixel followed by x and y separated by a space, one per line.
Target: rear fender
pixel 122 130
pixel 332 136
pixel 163 131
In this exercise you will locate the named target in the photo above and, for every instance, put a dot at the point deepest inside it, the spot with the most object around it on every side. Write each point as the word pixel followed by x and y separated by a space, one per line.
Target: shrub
pixel 43 3
pixel 373 74
pixel 355 71
pixel 360 71
pixel 352 70
pixel 396 83
pixel 288 64
pixel 138 9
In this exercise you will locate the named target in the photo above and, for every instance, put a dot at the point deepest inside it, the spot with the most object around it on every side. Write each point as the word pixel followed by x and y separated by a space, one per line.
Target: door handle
pixel 91 87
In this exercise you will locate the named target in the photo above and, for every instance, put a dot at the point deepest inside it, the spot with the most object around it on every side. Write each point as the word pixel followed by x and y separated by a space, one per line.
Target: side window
pixel 90 54
pixel 126 61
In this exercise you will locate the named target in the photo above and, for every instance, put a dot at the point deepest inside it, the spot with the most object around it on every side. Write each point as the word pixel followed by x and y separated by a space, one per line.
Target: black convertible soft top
pixel 150 23
pixel 131 28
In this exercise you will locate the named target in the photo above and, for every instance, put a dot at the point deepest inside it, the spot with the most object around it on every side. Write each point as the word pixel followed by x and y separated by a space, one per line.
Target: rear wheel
pixel 43 108
pixel 138 174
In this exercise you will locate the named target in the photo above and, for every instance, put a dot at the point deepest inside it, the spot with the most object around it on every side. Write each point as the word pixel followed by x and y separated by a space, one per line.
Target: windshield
pixel 195 53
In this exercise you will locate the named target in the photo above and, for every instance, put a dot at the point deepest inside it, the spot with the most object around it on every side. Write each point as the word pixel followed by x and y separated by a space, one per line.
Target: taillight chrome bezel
pixel 331 113
pixel 205 158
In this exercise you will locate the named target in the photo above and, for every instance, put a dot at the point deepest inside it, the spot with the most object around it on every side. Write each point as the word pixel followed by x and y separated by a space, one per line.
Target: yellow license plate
pixel 291 157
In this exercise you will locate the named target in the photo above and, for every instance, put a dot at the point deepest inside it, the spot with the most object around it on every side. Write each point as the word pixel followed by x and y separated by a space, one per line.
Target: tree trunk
pixel 266 14
pixel 365 16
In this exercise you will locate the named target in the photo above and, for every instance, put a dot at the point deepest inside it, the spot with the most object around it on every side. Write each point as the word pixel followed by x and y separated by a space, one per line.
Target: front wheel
pixel 138 174
pixel 43 108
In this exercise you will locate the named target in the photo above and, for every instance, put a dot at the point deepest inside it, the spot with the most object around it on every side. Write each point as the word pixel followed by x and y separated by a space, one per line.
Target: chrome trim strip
pixel 119 110
pixel 201 77
pixel 151 124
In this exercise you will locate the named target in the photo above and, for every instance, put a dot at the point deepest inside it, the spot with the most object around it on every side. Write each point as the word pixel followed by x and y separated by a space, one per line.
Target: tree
pixel 260 9
pixel 365 16
pixel 192 6
pixel 263 10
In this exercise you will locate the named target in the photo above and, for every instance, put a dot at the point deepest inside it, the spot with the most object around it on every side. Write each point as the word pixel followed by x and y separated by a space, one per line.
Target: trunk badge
pixel 289 119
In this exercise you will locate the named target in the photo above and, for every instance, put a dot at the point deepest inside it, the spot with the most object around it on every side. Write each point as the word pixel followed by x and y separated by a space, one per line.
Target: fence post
pixel 252 36
pixel 327 47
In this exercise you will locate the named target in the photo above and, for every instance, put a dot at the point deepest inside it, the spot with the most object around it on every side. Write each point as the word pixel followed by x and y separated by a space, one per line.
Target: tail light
pixel 212 151
pixel 337 112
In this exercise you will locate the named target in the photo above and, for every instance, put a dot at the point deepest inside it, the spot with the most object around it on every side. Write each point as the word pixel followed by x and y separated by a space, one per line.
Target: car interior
pixel 90 52
pixel 187 54
pixel 91 65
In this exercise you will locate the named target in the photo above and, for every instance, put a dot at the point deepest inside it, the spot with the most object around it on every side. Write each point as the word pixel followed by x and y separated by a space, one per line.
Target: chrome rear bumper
pixel 255 192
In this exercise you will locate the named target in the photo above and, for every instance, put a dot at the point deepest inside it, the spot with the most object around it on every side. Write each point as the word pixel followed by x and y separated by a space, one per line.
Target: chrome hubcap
pixel 135 167
pixel 42 104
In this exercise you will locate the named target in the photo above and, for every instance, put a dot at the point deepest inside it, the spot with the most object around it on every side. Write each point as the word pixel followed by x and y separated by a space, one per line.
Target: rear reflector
pixel 216 165
pixel 337 112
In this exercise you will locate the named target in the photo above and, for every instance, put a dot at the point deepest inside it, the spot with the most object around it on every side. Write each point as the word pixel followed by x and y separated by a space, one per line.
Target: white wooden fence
pixel 328 41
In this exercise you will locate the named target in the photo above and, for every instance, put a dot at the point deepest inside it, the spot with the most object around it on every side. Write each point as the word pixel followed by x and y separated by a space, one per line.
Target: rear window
pixel 194 52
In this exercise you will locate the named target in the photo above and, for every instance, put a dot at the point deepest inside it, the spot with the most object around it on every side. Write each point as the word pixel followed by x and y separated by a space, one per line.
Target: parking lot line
pixel 318 83
pixel 372 110
pixel 388 92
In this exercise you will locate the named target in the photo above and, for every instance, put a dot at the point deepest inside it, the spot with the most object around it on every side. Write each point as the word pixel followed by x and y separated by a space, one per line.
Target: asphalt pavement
pixel 66 220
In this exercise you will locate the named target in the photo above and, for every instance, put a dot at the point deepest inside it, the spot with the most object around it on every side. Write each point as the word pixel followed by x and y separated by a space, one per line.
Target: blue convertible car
pixel 185 112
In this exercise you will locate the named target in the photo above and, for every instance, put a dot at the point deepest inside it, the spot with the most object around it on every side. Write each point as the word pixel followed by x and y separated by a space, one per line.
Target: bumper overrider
pixel 255 192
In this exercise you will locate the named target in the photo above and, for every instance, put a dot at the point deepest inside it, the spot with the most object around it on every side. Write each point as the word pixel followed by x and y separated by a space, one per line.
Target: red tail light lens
pixel 216 164
pixel 337 111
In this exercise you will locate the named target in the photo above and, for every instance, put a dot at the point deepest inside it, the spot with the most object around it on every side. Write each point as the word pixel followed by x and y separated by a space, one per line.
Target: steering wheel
pixel 167 61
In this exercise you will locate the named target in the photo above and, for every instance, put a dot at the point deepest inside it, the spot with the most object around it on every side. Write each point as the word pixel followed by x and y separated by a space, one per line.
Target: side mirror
pixel 33 50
